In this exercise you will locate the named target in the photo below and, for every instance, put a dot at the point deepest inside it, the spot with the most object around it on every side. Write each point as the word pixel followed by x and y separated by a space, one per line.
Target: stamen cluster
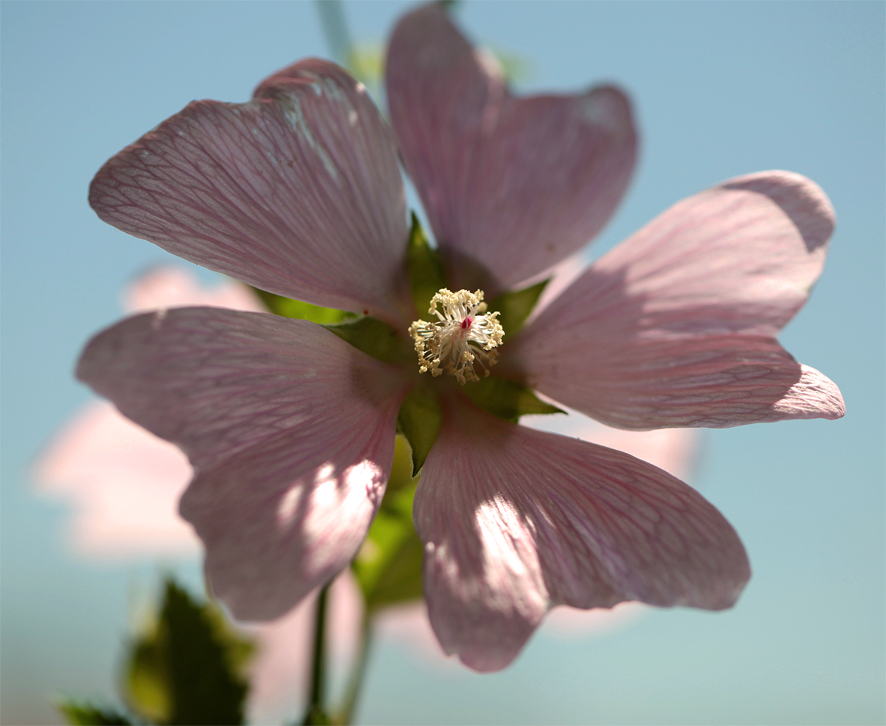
pixel 463 335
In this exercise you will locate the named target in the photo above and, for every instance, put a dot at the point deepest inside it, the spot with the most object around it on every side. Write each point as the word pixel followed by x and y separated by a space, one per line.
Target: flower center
pixel 463 335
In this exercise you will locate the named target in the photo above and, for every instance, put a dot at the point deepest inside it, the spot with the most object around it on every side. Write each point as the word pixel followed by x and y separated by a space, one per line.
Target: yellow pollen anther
pixel 464 334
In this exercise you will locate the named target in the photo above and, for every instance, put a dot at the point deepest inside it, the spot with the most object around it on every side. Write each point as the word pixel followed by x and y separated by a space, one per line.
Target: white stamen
pixel 463 335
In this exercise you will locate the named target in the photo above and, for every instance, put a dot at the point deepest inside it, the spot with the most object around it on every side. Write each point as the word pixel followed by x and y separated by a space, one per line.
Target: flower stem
pixel 358 673
pixel 316 713
pixel 332 19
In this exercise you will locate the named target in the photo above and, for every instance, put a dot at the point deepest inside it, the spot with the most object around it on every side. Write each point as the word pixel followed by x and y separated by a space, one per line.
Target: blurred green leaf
pixel 84 714
pixel 316 716
pixel 506 399
pixel 389 564
pixel 419 421
pixel 517 68
pixel 514 307
pixel 426 277
pixel 366 62
pixel 289 308
pixel 147 680
pixel 186 669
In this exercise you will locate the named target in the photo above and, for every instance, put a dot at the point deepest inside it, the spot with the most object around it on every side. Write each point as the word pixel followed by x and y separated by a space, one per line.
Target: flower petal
pixel 290 431
pixel 674 450
pixel 297 192
pixel 676 326
pixel 511 186
pixel 516 520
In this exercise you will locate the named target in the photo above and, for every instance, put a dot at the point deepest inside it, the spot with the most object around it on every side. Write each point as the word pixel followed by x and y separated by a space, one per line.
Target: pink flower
pixel 124 482
pixel 291 430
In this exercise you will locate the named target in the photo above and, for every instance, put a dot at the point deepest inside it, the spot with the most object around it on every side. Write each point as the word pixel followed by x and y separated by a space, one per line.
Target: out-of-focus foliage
pixel 388 566
pixel 289 308
pixel 186 668
pixel 83 714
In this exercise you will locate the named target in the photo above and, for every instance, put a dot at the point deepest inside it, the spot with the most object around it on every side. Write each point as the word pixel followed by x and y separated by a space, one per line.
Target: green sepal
pixel 289 308
pixel 186 669
pixel 514 307
pixel 374 338
pixel 506 399
pixel 419 421
pixel 426 276
pixel 388 567
pixel 84 714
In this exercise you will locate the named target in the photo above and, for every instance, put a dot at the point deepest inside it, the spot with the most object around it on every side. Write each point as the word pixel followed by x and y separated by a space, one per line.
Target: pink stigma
pixel 466 323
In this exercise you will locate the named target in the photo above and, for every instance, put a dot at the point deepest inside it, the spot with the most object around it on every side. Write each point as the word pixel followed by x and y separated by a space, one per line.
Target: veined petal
pixel 289 428
pixel 674 450
pixel 297 192
pixel 511 185
pixel 516 520
pixel 676 326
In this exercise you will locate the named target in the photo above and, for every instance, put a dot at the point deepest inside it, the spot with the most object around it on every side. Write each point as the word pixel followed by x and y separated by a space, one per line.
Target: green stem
pixel 332 19
pixel 355 682
pixel 316 713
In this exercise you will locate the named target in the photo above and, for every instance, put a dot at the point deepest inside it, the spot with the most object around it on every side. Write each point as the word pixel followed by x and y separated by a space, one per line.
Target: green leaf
pixel 426 277
pixel 316 716
pixel 147 680
pixel 388 567
pixel 374 338
pixel 514 307
pixel 419 421
pixel 186 669
pixel 366 62
pixel 289 308
pixel 517 67
pixel 506 399
pixel 84 714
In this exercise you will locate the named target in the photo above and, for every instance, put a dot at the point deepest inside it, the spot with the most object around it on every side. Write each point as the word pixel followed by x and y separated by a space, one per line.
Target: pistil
pixel 463 337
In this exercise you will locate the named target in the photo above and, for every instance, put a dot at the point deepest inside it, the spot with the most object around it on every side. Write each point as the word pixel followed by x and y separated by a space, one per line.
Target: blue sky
pixel 720 89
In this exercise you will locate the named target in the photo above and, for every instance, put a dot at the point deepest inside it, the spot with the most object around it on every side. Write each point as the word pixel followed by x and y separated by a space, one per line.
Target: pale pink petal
pixel 510 185
pixel 174 287
pixel 408 625
pixel 289 428
pixel 674 450
pixel 297 192
pixel 515 521
pixel 559 277
pixel 570 623
pixel 124 484
pixel 676 326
